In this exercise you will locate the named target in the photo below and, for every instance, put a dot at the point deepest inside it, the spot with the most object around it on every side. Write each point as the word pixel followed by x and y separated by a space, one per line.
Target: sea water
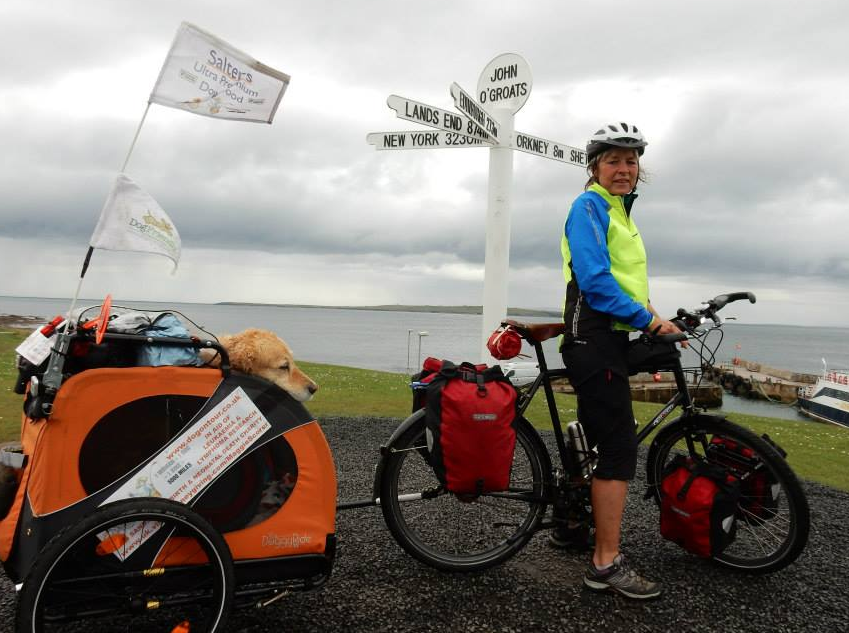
pixel 399 341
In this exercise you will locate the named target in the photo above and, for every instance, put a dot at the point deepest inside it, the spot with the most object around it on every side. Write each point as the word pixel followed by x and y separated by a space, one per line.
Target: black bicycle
pixel 459 534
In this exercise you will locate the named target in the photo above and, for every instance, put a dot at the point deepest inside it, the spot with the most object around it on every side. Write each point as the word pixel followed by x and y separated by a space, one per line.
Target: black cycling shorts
pixel 598 371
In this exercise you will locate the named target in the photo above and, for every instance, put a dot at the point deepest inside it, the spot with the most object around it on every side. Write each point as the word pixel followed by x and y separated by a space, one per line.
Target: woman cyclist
pixel 604 264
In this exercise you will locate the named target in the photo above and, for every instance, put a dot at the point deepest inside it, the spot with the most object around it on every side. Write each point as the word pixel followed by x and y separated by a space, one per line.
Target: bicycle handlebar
pixel 688 320
pixel 669 338
pixel 722 300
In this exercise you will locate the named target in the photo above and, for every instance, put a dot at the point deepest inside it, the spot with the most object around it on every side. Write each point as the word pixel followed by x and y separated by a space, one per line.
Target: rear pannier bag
pixel 420 381
pixel 698 508
pixel 470 415
pixel 759 489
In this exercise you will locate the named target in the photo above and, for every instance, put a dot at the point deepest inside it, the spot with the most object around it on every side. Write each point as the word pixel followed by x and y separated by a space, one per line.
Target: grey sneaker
pixel 622 579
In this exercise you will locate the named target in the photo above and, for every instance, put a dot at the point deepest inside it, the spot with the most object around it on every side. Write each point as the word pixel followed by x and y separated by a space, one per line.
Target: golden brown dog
pixel 263 353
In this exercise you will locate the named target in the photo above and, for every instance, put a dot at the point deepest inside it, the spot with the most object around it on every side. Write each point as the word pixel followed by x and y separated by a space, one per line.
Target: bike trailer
pixel 239 450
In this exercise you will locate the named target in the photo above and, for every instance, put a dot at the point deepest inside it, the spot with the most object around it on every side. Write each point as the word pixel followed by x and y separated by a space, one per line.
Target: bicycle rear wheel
pixel 451 533
pixel 179 576
pixel 773 520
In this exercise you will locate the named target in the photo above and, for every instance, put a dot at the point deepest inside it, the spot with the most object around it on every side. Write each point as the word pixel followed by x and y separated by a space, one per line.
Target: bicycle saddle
pixel 537 332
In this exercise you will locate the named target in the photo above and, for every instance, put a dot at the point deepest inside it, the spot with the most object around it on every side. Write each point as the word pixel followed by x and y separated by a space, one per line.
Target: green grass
pixel 10 402
pixel 818 452
pixel 348 391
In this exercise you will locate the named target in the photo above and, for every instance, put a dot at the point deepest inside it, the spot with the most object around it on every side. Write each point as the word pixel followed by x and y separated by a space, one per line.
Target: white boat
pixel 828 399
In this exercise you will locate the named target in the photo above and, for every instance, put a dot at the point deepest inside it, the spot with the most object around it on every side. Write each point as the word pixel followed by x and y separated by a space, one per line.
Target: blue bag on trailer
pixel 166 325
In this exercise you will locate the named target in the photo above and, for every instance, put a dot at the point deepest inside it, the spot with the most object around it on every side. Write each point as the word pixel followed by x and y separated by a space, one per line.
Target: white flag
pixel 131 220
pixel 205 75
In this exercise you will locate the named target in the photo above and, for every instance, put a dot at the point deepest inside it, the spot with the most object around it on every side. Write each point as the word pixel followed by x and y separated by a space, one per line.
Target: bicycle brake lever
pixel 686 320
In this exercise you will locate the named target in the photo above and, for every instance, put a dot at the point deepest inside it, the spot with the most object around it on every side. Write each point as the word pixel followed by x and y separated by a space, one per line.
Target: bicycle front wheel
pixel 773 518
pixel 139 565
pixel 452 533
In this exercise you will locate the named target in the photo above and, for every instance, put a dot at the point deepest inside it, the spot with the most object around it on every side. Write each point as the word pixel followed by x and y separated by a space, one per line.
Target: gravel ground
pixel 376 587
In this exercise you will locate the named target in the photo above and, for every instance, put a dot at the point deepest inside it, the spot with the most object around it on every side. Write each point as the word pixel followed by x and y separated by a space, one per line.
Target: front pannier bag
pixel 698 509
pixel 470 418
pixel 759 489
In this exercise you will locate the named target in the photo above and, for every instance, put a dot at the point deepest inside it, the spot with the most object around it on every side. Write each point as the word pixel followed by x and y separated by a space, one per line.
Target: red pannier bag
pixel 470 418
pixel 698 508
pixel 759 489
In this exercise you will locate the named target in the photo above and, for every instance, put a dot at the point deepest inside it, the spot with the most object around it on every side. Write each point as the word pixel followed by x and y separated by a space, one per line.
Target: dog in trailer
pixel 262 353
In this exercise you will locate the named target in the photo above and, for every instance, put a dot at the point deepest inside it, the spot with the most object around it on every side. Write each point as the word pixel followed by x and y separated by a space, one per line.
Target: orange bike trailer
pixel 236 448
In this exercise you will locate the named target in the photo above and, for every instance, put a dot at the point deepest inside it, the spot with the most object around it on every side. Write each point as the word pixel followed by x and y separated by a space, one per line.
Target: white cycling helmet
pixel 616 135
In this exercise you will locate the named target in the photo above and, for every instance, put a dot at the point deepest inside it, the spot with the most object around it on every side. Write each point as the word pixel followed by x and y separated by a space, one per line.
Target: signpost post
pixel 503 88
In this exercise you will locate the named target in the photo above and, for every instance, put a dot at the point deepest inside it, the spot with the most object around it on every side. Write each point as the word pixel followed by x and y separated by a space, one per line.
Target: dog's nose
pixel 312 388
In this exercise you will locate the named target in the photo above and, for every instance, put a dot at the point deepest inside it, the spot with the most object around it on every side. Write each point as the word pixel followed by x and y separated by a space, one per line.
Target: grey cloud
pixel 746 181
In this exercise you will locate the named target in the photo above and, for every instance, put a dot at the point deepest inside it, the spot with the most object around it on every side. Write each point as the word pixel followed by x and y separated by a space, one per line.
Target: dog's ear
pixel 242 351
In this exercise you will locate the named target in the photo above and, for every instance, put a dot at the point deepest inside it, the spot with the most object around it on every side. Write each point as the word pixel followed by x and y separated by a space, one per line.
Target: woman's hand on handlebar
pixel 660 326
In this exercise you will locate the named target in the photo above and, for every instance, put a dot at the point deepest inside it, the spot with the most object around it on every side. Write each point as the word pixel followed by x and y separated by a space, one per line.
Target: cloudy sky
pixel 745 106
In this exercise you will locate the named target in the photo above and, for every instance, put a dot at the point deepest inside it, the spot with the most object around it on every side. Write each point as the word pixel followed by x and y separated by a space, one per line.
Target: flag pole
pixel 53 374
pixel 133 144
pixel 79 286
pixel 91 248
pixel 52 379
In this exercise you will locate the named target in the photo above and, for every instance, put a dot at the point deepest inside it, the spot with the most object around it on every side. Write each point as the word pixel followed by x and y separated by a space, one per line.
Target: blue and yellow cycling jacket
pixel 604 264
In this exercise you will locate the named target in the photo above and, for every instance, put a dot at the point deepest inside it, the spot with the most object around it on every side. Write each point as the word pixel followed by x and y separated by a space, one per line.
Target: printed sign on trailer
pixel 191 461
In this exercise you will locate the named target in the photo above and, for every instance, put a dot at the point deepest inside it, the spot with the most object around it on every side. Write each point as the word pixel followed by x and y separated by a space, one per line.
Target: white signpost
pixel 486 123
pixel 505 82
pixel 422 140
pixel 434 117
pixel 502 90
pixel 548 149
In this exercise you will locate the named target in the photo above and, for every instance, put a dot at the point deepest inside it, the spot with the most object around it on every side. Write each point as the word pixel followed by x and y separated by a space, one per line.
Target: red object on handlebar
pixel 48 329
pixel 504 343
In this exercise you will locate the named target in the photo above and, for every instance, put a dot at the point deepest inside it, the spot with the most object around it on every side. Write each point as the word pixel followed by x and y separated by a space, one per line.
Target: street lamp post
pixel 421 335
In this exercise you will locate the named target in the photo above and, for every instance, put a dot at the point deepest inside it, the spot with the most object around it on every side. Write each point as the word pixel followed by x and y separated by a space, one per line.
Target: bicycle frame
pixel 681 398
pixel 544 379
pixel 567 461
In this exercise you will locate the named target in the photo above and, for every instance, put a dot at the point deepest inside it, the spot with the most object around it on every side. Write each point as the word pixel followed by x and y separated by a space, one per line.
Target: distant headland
pixel 403 308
